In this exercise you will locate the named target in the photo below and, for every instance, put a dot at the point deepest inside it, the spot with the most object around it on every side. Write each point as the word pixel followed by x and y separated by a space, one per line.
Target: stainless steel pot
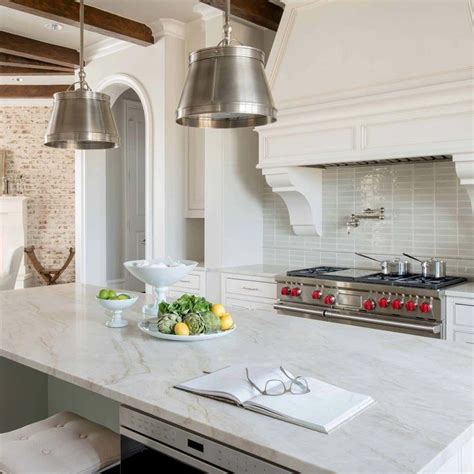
pixel 390 267
pixel 432 268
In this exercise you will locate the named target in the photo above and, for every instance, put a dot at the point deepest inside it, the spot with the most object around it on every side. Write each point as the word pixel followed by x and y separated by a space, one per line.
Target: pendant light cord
pixel 82 74
pixel 227 26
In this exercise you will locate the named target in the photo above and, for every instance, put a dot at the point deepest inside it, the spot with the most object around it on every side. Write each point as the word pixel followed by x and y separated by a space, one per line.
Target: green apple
pixel 123 296
pixel 112 294
pixel 104 294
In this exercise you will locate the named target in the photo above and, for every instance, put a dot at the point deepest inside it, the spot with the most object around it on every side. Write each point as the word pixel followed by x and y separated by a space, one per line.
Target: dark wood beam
pixel 261 12
pixel 30 91
pixel 37 50
pixel 99 21
pixel 17 61
pixel 28 71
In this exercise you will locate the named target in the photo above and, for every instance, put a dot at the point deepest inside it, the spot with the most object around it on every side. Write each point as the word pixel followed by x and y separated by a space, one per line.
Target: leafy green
pixel 186 304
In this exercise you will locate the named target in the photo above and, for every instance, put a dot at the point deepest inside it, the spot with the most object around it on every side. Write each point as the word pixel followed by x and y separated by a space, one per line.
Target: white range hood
pixel 366 81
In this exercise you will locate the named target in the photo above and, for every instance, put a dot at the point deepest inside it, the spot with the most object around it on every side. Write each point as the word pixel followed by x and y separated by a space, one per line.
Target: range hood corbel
pixel 464 163
pixel 300 188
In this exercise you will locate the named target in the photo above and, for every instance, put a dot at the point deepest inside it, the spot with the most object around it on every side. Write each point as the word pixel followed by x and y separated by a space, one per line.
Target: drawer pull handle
pixel 185 281
pixel 250 289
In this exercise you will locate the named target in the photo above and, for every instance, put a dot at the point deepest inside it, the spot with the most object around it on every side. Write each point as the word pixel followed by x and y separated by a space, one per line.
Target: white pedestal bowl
pixel 160 274
pixel 115 308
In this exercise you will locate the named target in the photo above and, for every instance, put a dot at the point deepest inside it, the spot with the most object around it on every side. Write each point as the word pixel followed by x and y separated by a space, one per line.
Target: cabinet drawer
pixel 467 337
pixel 463 315
pixel 238 303
pixel 175 293
pixel 250 288
pixel 191 281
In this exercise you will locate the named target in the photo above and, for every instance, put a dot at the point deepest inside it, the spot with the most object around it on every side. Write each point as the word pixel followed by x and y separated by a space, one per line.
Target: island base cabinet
pixel 461 462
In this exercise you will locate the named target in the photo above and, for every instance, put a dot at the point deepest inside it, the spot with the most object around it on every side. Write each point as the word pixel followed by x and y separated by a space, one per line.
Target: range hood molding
pixel 404 117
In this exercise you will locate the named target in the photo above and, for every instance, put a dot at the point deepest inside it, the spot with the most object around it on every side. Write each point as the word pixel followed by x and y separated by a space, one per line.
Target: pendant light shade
pixel 226 87
pixel 81 118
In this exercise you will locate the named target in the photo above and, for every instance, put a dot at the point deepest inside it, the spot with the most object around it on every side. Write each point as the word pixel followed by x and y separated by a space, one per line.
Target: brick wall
pixel 48 180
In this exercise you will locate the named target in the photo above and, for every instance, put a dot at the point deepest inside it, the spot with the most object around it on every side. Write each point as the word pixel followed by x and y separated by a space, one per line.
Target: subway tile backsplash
pixel 427 213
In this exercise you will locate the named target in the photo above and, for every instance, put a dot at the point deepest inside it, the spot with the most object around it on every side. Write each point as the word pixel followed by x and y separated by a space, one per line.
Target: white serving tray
pixel 192 338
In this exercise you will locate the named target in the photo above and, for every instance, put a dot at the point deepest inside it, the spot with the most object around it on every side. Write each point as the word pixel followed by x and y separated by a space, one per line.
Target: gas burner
pixel 414 281
pixel 314 271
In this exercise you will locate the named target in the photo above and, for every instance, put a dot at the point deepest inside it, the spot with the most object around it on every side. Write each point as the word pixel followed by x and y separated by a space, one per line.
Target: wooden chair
pixel 50 276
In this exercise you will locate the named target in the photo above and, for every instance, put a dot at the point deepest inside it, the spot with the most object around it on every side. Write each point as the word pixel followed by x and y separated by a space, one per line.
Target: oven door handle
pixel 180 456
pixel 434 328
pixel 317 312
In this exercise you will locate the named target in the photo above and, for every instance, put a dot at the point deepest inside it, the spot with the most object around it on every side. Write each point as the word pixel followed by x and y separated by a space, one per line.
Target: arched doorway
pixel 99 251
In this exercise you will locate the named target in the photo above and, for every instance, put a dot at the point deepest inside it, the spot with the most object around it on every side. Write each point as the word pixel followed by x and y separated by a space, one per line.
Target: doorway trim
pixel 114 86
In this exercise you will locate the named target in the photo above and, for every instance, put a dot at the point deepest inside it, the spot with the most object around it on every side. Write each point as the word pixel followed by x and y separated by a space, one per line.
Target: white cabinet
pixel 460 319
pixel 193 284
pixel 194 185
pixel 249 292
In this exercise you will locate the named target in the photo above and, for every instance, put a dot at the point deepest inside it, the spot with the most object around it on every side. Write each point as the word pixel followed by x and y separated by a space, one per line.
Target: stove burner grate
pixel 314 271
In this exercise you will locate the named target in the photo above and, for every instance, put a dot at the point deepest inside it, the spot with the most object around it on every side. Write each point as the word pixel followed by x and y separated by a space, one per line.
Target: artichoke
pixel 212 323
pixel 166 322
pixel 195 323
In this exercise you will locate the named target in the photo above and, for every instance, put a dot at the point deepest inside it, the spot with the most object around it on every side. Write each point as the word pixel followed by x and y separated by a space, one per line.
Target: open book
pixel 323 408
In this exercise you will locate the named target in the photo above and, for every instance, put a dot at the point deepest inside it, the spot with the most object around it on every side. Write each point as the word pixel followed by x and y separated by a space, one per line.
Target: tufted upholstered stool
pixel 63 443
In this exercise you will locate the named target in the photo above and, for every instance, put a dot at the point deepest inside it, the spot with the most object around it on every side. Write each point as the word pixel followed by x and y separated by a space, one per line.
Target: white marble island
pixel 423 387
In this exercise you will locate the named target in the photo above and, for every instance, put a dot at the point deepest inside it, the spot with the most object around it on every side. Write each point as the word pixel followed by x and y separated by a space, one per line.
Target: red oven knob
pixel 425 307
pixel 397 304
pixel 329 299
pixel 285 291
pixel 295 292
pixel 369 304
pixel 383 302
pixel 316 294
pixel 410 305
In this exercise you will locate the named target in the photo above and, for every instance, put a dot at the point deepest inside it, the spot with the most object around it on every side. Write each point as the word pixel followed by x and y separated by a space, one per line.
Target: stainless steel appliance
pixel 150 443
pixel 409 304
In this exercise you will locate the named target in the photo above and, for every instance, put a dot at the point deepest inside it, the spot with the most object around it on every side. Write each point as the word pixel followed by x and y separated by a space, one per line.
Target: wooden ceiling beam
pixel 260 12
pixel 98 21
pixel 28 91
pixel 10 60
pixel 28 71
pixel 37 50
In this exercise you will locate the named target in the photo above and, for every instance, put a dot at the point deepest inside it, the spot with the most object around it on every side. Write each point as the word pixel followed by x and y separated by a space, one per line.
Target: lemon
pixel 226 322
pixel 218 310
pixel 181 329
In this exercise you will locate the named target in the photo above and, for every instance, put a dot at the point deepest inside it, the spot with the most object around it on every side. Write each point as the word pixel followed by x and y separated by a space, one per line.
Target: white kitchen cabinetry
pixel 460 319
pixel 249 292
pixel 193 284
pixel 194 173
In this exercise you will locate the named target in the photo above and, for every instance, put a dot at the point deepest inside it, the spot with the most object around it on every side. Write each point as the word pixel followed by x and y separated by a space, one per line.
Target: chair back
pixel 7 282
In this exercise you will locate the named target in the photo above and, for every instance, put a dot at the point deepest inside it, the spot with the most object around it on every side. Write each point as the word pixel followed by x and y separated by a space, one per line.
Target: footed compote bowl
pixel 160 274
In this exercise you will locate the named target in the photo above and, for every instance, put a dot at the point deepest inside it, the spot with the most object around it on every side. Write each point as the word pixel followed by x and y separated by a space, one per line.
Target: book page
pixel 322 409
pixel 232 383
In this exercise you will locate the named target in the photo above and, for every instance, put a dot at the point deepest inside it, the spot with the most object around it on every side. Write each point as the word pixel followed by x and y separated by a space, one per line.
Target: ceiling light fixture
pixel 226 86
pixel 53 26
pixel 81 118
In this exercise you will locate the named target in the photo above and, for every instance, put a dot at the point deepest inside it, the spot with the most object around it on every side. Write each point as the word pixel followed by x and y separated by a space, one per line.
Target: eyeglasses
pixel 275 387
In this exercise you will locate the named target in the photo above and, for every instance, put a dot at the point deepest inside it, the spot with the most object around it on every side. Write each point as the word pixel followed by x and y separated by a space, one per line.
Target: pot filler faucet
pixel 354 220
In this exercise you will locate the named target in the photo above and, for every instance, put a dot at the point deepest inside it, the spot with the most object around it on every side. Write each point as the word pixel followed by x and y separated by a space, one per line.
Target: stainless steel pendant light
pixel 226 86
pixel 81 118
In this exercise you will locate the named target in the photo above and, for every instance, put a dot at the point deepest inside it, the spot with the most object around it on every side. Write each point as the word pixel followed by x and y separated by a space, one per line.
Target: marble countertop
pixel 465 290
pixel 423 387
pixel 260 270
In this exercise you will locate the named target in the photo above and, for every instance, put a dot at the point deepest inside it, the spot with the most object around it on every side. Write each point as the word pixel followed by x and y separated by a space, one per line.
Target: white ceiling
pixel 148 11
pixel 144 11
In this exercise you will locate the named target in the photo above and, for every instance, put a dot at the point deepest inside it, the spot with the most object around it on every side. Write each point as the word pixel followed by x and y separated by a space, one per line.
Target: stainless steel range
pixel 409 304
